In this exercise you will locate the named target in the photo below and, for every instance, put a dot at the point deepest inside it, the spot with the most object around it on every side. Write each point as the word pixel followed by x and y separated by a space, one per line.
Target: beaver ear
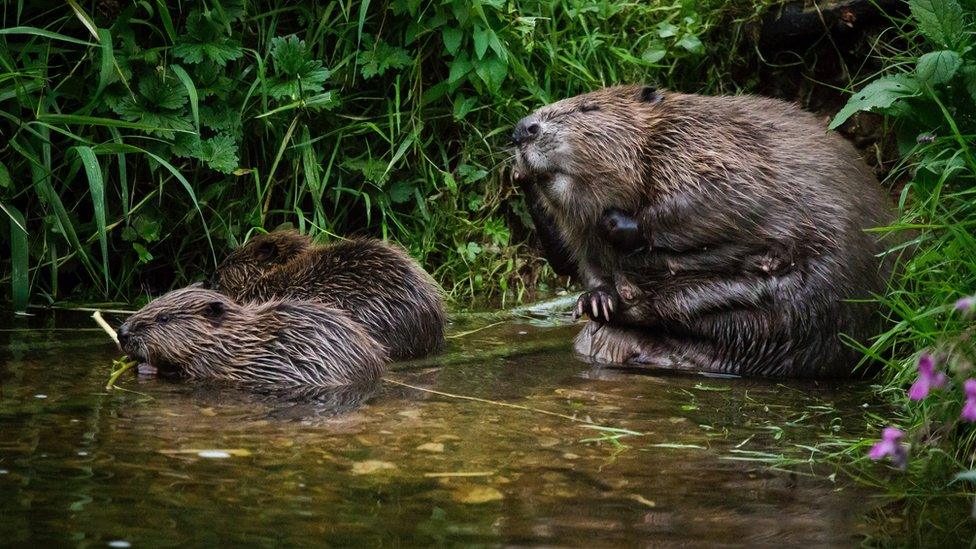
pixel 214 309
pixel 649 94
pixel 265 251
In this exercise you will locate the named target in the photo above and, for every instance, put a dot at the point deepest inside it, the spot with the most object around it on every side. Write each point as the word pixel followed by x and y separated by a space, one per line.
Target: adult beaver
pixel 378 283
pixel 722 234
pixel 202 334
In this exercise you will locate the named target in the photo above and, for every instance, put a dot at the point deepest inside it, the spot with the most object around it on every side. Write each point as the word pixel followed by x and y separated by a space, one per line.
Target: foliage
pixel 144 139
pixel 929 96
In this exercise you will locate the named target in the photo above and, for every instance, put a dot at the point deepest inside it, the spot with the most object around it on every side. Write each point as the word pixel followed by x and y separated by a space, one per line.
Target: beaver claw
pixel 599 304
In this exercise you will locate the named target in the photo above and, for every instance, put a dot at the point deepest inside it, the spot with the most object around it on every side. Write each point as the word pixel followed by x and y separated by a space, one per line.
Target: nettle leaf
pixel 210 80
pixel 492 72
pixel 205 39
pixel 401 192
pixel 297 74
pixel 880 94
pixel 372 169
pixel 163 91
pixel 220 153
pixel 381 58
pixel 941 21
pixel 158 105
pixel 938 67
pixel 221 118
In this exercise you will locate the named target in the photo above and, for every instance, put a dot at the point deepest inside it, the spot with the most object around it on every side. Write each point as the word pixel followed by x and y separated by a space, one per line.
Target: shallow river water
pixel 666 459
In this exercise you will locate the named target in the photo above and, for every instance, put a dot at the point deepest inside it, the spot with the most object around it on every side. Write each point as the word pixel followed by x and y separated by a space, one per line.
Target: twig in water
pixel 497 403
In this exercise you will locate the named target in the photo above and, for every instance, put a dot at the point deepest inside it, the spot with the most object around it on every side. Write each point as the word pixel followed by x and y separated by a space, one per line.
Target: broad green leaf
pixel 382 57
pixel 452 39
pixel 401 192
pixel 969 75
pixel 220 153
pixel 206 39
pixel 938 67
pixel 691 43
pixel 941 21
pixel 167 20
pixel 459 68
pixel 5 181
pixel 96 187
pixel 879 94
pixel 480 41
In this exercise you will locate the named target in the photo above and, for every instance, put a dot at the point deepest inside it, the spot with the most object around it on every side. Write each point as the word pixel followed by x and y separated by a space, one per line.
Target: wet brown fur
pixel 720 185
pixel 202 334
pixel 377 282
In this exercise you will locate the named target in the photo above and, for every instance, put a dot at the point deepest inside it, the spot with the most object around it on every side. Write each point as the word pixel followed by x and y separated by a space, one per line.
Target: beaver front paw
pixel 599 304
pixel 622 231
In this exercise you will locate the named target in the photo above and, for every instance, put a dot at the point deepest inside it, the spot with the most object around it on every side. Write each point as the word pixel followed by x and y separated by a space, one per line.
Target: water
pixel 170 464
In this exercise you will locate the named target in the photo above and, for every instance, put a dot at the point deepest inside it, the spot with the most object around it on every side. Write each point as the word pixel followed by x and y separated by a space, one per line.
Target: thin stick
pixel 97 316
pixel 494 402
pixel 476 330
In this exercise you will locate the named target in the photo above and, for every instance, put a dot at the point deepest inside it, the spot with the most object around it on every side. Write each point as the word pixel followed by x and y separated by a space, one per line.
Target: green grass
pixel 145 140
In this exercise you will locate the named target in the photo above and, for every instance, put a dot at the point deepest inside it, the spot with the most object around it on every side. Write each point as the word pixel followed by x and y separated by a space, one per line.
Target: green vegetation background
pixel 143 140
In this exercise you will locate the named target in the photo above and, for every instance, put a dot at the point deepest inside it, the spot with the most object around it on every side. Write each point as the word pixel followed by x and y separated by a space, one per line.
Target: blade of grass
pixel 19 259
pixel 191 91
pixel 96 186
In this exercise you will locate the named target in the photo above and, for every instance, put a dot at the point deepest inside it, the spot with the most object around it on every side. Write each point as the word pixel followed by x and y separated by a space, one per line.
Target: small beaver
pixel 201 334
pixel 721 233
pixel 377 282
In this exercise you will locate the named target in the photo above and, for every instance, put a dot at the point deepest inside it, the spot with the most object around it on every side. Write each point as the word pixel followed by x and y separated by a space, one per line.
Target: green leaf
pixel 106 73
pixel 45 34
pixel 191 92
pixel 220 153
pixel 480 41
pixel 374 170
pixel 401 191
pixel 492 72
pixel 938 67
pixel 666 30
pixel 941 21
pixel 19 258
pixel 5 182
pixel 452 39
pixel 382 57
pixel 969 75
pixel 297 74
pixel 205 38
pixel 143 253
pixel 458 69
pixel 879 94
pixel 691 43
pixel 96 187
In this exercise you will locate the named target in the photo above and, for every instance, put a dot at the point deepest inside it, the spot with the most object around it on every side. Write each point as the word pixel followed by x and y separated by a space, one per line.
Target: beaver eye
pixel 162 318
pixel 589 107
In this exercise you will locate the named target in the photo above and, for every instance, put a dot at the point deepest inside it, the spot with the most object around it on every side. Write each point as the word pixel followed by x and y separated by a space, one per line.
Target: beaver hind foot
pixel 613 345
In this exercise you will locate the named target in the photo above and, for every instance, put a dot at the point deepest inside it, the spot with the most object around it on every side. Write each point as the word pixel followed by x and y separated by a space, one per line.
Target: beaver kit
pixel 195 333
pixel 718 234
pixel 291 313
pixel 376 282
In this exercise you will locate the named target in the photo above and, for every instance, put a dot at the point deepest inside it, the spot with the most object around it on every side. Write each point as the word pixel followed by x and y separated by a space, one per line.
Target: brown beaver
pixel 722 234
pixel 202 334
pixel 377 282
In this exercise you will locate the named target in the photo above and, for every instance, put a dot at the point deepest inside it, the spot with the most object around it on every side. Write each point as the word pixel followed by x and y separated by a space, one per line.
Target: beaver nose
pixel 525 131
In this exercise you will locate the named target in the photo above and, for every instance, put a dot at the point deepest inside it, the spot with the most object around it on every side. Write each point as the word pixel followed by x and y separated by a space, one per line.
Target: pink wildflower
pixel 890 446
pixel 969 409
pixel 966 304
pixel 928 378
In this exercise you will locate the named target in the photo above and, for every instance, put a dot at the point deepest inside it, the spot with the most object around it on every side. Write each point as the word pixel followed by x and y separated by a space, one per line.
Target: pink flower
pixel 890 446
pixel 969 409
pixel 966 304
pixel 928 378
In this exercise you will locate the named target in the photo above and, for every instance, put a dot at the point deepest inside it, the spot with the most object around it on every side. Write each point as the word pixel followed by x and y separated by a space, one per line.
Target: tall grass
pixel 145 139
